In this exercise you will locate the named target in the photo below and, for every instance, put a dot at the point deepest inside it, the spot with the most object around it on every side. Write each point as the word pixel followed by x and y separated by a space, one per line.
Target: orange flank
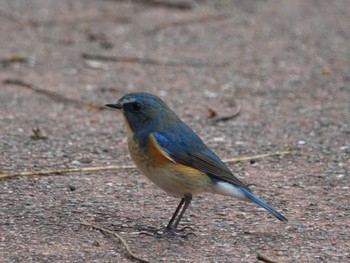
pixel 162 158
pixel 157 154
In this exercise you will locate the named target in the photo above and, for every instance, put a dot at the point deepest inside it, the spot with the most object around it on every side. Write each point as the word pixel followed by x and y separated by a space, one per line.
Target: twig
pixel 154 61
pixel 69 170
pixel 13 59
pixel 266 259
pixel 166 4
pixel 67 20
pixel 258 156
pixel 52 95
pixel 121 239
pixel 231 116
pixel 122 167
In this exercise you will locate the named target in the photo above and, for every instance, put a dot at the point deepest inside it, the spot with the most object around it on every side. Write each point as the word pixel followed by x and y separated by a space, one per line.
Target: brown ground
pixel 286 62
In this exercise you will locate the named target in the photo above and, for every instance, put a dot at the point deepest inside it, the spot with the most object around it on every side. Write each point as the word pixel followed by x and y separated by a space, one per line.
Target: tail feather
pixel 261 203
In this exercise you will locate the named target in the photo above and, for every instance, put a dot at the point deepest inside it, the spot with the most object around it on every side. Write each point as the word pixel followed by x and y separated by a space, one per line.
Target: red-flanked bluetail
pixel 173 157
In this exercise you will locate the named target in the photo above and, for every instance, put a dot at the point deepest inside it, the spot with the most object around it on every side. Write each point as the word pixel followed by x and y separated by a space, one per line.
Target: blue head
pixel 145 111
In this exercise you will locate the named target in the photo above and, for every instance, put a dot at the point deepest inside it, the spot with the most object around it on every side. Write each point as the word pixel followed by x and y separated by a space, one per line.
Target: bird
pixel 171 155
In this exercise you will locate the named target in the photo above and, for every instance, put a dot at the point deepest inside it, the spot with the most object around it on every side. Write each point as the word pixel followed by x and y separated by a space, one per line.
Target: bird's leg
pixel 169 225
pixel 171 228
pixel 174 231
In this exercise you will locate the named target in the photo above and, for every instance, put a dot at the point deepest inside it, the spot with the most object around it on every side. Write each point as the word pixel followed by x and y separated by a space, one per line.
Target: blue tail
pixel 260 202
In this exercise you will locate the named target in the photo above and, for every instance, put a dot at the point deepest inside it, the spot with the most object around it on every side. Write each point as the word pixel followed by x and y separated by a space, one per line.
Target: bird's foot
pixel 165 232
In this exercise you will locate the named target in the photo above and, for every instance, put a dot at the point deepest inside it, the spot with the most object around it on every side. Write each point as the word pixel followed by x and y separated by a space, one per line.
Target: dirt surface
pixel 286 63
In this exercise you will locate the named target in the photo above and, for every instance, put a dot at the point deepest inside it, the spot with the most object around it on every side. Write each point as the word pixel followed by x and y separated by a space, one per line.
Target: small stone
pixel 301 142
pixel 72 187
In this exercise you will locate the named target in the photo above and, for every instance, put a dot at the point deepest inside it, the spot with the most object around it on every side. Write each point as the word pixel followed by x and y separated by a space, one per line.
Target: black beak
pixel 115 106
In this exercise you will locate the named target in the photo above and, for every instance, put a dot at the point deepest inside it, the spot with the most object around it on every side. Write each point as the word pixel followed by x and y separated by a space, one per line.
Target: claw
pixel 166 232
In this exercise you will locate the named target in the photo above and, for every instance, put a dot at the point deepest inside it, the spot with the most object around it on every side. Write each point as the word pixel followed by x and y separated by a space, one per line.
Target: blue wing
pixel 185 147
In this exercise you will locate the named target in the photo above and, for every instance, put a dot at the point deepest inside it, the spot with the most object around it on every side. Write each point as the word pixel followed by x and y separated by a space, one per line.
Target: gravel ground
pixel 286 63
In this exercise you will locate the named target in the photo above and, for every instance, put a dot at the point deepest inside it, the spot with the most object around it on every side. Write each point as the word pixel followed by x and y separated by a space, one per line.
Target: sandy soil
pixel 285 62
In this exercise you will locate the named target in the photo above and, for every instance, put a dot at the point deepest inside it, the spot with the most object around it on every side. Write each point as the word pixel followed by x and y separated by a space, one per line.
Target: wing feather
pixel 191 151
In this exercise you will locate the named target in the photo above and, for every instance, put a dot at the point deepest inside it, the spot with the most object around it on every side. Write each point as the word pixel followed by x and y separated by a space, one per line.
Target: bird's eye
pixel 132 106
pixel 136 106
